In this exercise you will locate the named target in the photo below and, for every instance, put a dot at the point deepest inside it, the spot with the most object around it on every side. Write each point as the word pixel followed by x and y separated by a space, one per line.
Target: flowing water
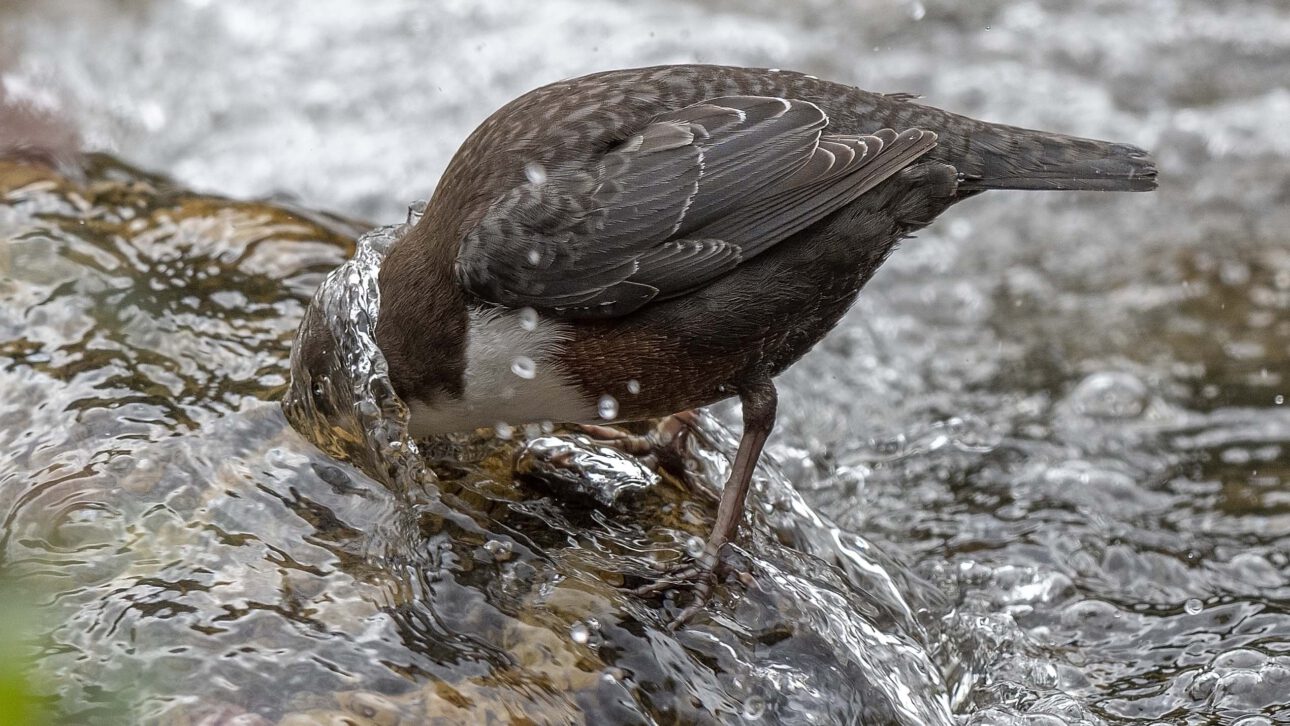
pixel 1039 475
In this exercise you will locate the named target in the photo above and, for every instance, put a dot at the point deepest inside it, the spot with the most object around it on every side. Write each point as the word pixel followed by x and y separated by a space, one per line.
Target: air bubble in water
pixel 754 708
pixel 917 10
pixel 580 633
pixel 1110 395
pixel 1193 606
pixel 524 367
pixel 528 319
pixel 607 407
pixel 534 256
pixel 503 430
pixel 633 386
pixel 535 172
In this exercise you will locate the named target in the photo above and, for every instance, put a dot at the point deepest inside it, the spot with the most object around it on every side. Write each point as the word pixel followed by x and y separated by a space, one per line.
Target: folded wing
pixel 681 202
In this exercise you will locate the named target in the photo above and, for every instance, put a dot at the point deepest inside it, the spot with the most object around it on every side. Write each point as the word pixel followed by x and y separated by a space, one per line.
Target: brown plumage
pixel 684 233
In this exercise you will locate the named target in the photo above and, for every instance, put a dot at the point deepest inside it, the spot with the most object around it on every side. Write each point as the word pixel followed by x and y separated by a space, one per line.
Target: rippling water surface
pixel 1045 461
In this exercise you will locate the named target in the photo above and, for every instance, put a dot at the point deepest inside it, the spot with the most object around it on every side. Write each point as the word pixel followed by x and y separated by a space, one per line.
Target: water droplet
pixel 528 319
pixel 1193 606
pixel 1203 685
pixel 754 708
pixel 1042 674
pixel 524 367
pixel 633 386
pixel 503 430
pixel 580 633
pixel 416 210
pixel 276 457
pixel 534 256
pixel 535 172
pixel 607 407
pixel 499 549
pixel 694 547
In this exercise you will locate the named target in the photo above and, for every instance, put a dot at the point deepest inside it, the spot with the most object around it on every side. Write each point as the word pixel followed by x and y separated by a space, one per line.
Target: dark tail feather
pixel 1006 157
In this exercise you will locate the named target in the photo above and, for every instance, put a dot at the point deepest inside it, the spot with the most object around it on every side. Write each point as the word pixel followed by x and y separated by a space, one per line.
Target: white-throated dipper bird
pixel 660 239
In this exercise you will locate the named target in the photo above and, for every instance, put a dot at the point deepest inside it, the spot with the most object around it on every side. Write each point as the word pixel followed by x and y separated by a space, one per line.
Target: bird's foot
pixel 699 575
pixel 665 447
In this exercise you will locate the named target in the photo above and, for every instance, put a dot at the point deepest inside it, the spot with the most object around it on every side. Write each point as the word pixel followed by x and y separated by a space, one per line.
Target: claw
pixel 683 617
pixel 699 576
pixel 677 578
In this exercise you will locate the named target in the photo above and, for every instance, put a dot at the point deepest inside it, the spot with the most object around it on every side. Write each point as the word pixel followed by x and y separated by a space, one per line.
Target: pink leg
pixel 759 403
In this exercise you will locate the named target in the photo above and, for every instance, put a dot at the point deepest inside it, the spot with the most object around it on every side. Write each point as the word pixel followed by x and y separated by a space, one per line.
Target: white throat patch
pixel 511 377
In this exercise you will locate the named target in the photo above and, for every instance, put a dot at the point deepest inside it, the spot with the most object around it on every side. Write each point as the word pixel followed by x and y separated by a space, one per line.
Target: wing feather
pixel 680 202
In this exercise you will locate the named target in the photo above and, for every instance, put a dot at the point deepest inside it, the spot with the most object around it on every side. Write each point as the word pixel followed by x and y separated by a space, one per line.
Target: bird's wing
pixel 682 201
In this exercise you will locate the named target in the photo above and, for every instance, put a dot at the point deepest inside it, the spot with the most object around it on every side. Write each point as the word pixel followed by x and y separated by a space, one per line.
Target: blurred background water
pixel 1060 418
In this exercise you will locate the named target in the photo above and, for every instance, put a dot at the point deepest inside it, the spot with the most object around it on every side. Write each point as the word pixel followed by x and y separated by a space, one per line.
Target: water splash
pixel 349 409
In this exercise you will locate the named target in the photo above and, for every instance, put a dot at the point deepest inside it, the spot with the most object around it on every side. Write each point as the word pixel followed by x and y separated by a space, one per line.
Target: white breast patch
pixel 511 377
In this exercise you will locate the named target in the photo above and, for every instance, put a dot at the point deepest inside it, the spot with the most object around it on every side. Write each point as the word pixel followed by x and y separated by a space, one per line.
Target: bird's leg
pixel 759 400
pixel 665 445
